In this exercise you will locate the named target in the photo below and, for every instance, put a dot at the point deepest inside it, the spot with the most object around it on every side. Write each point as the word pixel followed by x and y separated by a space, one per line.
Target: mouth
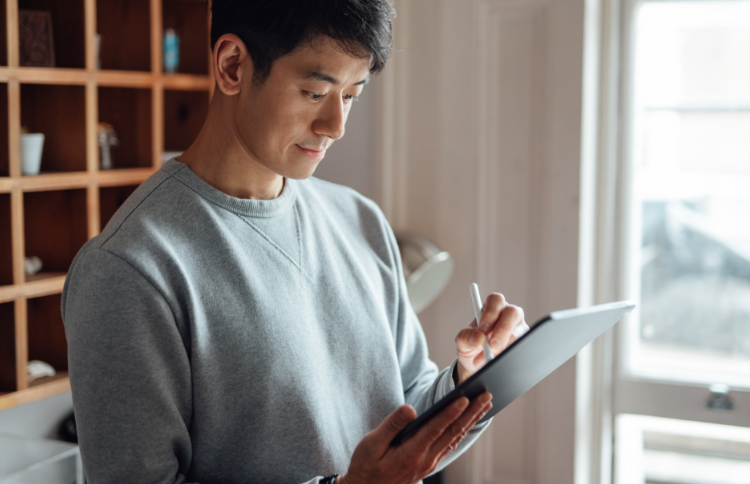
pixel 313 154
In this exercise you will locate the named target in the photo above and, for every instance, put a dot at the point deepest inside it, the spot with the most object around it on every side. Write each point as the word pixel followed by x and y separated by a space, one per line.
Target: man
pixel 240 321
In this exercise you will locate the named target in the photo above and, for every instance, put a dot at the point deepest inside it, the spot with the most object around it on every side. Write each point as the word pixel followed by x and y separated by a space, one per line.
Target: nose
pixel 331 119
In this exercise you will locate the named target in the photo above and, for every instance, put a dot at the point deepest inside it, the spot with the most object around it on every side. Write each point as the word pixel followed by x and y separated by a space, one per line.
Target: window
pixel 686 213
pixel 691 192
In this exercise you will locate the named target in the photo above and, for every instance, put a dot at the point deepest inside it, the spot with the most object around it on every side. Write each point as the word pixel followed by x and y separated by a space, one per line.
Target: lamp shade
pixel 427 269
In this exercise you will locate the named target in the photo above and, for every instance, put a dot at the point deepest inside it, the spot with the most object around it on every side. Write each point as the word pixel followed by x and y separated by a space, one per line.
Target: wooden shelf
pixel 36 392
pixel 64 181
pixel 40 276
pixel 48 380
pixel 81 77
pixel 37 288
pixel 51 215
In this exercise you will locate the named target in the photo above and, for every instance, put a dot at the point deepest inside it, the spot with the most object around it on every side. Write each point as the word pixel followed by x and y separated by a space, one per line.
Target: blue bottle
pixel 171 51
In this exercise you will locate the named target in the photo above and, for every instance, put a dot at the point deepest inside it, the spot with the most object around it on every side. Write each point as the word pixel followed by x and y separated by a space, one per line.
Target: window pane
pixel 693 53
pixel 692 192
pixel 654 450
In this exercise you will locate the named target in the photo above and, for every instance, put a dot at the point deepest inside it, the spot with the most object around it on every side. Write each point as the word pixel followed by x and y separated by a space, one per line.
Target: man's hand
pixel 496 324
pixel 374 461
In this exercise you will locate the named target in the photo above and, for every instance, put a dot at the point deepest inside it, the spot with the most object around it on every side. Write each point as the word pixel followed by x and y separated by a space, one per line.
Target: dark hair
pixel 272 29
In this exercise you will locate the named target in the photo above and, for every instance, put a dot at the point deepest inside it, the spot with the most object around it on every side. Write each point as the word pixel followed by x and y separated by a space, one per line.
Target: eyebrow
pixel 320 76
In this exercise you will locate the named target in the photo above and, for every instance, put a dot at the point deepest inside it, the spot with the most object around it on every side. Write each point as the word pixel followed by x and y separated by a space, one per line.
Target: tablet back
pixel 548 344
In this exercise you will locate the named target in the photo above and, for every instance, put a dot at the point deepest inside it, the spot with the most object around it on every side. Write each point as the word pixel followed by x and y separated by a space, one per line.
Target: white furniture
pixel 29 460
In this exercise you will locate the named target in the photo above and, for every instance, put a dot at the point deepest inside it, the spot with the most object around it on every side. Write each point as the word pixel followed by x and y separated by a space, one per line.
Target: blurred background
pixel 563 152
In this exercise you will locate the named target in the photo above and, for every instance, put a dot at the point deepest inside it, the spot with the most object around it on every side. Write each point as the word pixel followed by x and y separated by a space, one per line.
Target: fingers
pixel 469 341
pixel 479 406
pixel 492 307
pixel 384 433
pixel 437 425
pixel 501 335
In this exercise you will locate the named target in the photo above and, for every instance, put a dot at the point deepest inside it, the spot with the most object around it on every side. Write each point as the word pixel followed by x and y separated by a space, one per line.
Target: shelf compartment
pixel 125 30
pixel 190 22
pixel 184 115
pixel 6 247
pixel 129 113
pixel 60 113
pixel 111 199
pixel 55 227
pixel 4 163
pixel 7 348
pixel 67 29
pixel 47 335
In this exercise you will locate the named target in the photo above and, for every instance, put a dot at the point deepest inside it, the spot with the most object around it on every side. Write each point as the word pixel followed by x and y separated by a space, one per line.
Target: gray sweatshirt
pixel 220 340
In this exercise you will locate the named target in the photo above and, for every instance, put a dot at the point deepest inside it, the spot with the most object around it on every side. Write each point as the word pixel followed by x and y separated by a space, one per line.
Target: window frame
pixel 640 394
pixel 604 389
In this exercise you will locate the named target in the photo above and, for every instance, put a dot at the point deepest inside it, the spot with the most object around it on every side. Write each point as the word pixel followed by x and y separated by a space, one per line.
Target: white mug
pixel 31 153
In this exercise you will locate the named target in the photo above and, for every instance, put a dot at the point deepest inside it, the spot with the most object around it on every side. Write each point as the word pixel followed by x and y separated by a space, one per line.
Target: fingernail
pixel 496 343
pixel 485 328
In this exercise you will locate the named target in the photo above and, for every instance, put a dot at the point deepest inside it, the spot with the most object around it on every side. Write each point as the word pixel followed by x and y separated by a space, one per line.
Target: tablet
pixel 548 344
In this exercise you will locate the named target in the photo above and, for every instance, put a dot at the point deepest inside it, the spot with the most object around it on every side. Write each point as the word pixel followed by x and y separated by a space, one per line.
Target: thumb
pixel 391 426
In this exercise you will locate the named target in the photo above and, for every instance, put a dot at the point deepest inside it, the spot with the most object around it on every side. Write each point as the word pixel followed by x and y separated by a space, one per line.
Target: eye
pixel 348 98
pixel 315 96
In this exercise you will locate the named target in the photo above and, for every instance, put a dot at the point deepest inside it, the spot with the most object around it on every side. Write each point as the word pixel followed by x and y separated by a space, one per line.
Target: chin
pixel 301 172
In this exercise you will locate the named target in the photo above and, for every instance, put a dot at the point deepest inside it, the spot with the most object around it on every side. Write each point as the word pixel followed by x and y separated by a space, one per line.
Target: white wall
pixel 480 151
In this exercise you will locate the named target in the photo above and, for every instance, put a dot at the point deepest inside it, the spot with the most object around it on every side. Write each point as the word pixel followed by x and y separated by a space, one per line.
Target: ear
pixel 231 63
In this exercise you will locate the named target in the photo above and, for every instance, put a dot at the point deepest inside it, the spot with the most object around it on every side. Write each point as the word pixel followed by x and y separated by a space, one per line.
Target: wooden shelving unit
pixel 51 215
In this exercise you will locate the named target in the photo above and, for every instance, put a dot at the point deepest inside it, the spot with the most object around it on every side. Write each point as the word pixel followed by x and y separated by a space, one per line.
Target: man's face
pixel 288 123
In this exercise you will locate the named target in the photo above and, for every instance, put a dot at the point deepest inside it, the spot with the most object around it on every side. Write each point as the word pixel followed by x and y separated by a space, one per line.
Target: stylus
pixel 476 300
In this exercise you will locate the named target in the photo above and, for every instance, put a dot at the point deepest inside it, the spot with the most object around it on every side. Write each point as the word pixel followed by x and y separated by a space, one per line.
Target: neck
pixel 218 157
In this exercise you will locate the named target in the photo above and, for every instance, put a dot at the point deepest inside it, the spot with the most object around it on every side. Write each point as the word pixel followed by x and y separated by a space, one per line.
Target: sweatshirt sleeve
pixel 423 384
pixel 129 372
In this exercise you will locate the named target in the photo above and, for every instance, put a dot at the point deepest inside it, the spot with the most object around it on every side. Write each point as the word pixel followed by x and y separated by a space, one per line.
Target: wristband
pixel 329 479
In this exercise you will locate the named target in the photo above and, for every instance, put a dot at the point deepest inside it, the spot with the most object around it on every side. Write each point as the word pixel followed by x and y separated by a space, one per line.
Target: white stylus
pixel 476 301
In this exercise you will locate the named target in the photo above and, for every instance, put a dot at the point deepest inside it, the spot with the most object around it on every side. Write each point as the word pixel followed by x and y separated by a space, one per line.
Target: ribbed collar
pixel 250 208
